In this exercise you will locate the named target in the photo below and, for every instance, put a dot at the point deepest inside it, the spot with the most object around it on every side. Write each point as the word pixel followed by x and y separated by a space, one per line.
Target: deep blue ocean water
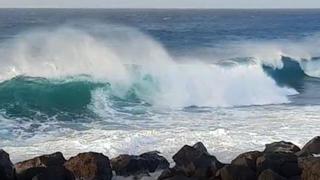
pixel 129 81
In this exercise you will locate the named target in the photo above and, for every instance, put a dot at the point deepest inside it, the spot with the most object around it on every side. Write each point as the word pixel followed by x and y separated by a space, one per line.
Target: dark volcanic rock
pixel 200 147
pixel 195 161
pixel 180 177
pixel 54 173
pixel 247 159
pixel 28 174
pixel 281 146
pixel 90 166
pixel 312 147
pixel 270 175
pixel 310 168
pixel 41 166
pixel 155 161
pixel 7 171
pixel 168 173
pixel 235 172
pixel 46 173
pixel 285 164
pixel 126 165
pixel 173 174
pixel 55 159
pixel 295 178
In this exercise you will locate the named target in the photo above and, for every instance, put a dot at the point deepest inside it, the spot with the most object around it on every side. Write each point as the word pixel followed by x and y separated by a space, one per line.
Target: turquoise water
pixel 130 81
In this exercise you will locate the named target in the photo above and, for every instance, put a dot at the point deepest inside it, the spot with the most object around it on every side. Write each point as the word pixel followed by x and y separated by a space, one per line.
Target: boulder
pixel 55 159
pixel 90 166
pixel 7 171
pixel 46 173
pixel 235 172
pixel 281 146
pixel 285 164
pixel 270 175
pixel 200 147
pixel 54 173
pixel 167 174
pixel 172 173
pixel 195 161
pixel 180 177
pixel 127 165
pixel 155 161
pixel 295 178
pixel 247 159
pixel 312 147
pixel 30 173
pixel 310 168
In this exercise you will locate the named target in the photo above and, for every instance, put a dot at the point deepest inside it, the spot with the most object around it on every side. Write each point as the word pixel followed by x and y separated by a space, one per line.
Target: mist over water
pixel 132 88
pixel 132 65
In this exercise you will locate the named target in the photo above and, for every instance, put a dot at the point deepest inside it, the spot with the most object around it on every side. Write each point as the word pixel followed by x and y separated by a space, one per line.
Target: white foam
pixel 226 132
pixel 270 52
pixel 125 58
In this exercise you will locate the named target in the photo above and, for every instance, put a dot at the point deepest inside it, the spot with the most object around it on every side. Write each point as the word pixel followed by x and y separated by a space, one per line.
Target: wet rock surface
pixel 230 172
pixel 279 161
pixel 247 159
pixel 311 148
pixel 285 164
pixel 90 166
pixel 55 159
pixel 127 165
pixel 281 146
pixel 310 168
pixel 193 162
pixel 7 171
pixel 270 175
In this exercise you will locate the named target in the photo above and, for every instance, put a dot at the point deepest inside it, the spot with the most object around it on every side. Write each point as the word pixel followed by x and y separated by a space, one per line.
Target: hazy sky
pixel 162 3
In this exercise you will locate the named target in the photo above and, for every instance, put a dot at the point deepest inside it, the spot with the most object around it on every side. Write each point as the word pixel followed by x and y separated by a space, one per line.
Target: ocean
pixel 134 80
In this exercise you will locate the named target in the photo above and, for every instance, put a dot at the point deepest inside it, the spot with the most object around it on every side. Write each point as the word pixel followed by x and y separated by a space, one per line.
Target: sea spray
pixel 134 65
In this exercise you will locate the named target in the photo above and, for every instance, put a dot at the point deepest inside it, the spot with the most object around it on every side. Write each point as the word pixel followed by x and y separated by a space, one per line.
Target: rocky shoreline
pixel 279 161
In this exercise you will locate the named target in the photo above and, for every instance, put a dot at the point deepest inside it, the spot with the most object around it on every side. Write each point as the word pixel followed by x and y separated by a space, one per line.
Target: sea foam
pixel 132 61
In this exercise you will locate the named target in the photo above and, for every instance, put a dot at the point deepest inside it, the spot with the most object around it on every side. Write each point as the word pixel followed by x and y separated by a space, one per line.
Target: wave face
pixel 72 70
pixel 27 97
pixel 234 80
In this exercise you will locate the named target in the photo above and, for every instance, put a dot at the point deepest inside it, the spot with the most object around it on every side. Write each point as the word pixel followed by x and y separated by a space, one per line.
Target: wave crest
pixel 135 67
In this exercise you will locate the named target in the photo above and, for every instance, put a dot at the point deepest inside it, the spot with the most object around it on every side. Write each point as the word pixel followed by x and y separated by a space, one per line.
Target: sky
pixel 159 3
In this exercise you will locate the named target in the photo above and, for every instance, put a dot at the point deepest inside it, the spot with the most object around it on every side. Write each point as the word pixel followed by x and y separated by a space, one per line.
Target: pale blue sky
pixel 162 3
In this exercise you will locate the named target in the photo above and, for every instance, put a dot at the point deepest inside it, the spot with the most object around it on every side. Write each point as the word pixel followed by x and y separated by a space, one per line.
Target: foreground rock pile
pixel 279 161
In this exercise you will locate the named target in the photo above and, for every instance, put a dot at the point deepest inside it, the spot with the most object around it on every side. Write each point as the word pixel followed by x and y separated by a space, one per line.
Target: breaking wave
pixel 98 68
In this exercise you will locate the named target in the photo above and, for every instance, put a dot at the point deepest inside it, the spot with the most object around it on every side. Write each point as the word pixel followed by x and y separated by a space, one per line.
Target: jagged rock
pixel 196 162
pixel 200 147
pixel 55 159
pixel 54 173
pixel 281 146
pixel 247 159
pixel 180 177
pixel 310 168
pixel 166 174
pixel 171 173
pixel 28 174
pixel 32 168
pixel 235 172
pixel 312 147
pixel 295 178
pixel 285 164
pixel 155 161
pixel 7 171
pixel 90 166
pixel 126 165
pixel 270 175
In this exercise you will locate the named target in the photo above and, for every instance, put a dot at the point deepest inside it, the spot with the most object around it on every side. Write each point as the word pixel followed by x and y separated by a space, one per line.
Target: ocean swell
pixel 43 70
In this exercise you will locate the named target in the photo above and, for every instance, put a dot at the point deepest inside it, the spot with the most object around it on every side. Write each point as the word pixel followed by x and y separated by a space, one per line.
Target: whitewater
pixel 115 88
